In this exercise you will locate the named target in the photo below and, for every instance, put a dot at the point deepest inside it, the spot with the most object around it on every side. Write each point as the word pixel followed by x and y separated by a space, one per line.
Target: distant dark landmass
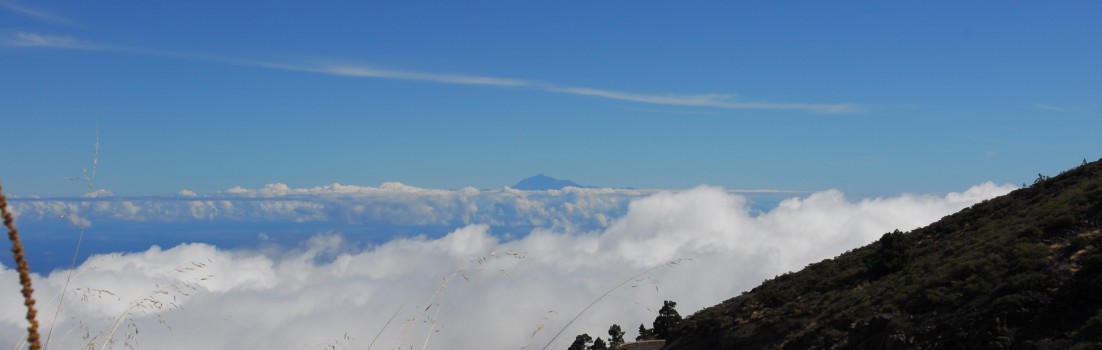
pixel 543 182
pixel 1021 271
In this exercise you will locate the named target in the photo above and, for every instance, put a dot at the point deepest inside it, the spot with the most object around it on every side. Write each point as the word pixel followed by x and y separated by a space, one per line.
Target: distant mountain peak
pixel 542 182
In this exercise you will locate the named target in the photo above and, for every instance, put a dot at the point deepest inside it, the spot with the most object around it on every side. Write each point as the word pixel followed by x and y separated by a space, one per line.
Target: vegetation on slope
pixel 1021 271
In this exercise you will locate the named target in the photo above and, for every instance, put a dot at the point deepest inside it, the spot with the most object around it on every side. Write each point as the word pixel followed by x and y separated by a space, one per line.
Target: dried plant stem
pixel 24 273
pixel 384 327
pixel 632 278
pixel 431 326
pixel 90 183
pixel 65 287
pixel 115 324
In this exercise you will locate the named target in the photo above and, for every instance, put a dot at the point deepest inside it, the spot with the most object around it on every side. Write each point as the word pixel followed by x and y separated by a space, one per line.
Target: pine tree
pixel 615 336
pixel 667 320
pixel 580 342
pixel 598 344
pixel 644 333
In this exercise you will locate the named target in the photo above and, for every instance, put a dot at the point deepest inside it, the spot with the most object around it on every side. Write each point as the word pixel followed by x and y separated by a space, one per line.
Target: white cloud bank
pixel 469 289
pixel 391 203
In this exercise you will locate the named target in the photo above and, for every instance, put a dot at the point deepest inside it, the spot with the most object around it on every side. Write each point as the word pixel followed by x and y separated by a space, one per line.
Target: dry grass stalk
pixel 90 183
pixel 24 273
pixel 423 313
pixel 637 277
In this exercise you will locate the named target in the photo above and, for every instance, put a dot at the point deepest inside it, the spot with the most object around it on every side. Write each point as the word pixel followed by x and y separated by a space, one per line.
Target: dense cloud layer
pixel 391 203
pixel 469 289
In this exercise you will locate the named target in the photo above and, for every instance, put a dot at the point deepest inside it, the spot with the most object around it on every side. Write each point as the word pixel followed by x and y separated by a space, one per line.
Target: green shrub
pixel 891 255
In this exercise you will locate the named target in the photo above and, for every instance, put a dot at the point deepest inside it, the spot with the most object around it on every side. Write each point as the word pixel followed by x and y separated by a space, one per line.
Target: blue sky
pixel 870 99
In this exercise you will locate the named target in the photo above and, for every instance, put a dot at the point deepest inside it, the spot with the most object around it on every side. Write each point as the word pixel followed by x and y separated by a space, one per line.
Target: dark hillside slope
pixel 1022 271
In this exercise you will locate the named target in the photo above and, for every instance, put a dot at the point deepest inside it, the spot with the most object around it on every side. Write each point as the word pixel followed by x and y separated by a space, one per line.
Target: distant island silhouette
pixel 543 182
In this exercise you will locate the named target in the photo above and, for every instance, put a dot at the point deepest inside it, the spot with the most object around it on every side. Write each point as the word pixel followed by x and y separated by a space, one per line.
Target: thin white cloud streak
pixel 35 14
pixel 724 101
pixel 367 72
pixel 470 289
pixel 708 100
pixel 65 42
pixel 25 39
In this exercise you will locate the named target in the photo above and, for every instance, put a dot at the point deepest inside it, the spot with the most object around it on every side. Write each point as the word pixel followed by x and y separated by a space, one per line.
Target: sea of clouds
pixel 391 203
pixel 622 252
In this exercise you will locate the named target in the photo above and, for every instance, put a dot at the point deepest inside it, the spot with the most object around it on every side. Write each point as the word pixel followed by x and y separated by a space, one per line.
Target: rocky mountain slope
pixel 1022 271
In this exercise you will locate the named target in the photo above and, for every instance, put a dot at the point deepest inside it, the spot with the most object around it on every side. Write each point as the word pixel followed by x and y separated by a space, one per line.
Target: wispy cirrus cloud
pixel 371 72
pixel 727 101
pixel 712 100
pixel 36 14
pixel 707 100
pixel 25 39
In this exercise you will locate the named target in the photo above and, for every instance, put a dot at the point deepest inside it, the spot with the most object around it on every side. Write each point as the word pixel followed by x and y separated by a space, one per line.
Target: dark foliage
pixel 1022 271
pixel 615 335
pixel 644 333
pixel 598 344
pixel 891 255
pixel 581 342
pixel 667 320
